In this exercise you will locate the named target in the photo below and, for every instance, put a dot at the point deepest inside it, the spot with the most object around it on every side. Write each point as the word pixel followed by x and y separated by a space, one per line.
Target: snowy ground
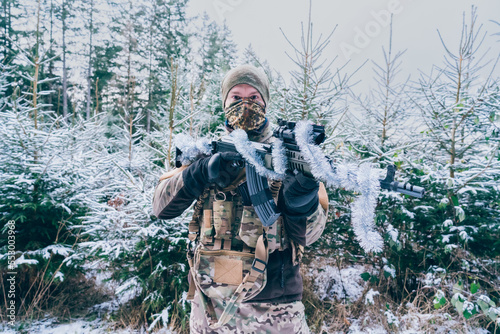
pixel 78 326
pixel 99 326
pixel 346 286
pixel 49 326
pixel 330 283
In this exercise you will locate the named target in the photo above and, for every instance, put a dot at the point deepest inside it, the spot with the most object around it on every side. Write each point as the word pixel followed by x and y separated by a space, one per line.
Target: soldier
pixel 245 276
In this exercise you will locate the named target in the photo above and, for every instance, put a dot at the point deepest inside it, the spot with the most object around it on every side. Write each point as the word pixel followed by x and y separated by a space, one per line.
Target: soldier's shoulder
pixel 172 173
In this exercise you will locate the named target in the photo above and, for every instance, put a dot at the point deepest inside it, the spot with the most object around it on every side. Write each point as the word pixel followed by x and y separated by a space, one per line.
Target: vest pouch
pixel 222 215
pixel 220 272
pixel 250 227
pixel 206 228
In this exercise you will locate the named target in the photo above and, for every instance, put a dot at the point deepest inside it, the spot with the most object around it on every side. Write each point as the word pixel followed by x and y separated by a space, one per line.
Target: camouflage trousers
pixel 253 318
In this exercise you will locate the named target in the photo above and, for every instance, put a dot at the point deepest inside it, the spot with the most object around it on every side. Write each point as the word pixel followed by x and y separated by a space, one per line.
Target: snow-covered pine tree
pixel 164 36
pixel 144 255
pixel 194 106
pixel 380 134
pixel 377 132
pixel 45 170
pixel 457 160
pixel 216 54
pixel 318 86
pixel 10 35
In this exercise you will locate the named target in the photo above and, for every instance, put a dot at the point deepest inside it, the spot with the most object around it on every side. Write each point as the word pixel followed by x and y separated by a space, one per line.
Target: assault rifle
pixel 256 190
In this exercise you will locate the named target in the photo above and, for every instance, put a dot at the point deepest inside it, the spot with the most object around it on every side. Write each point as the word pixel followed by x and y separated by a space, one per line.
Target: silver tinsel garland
pixel 362 179
pixel 279 157
pixel 249 153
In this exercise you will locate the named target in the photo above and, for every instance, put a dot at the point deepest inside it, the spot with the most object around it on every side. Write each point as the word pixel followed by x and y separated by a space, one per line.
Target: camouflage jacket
pixel 287 237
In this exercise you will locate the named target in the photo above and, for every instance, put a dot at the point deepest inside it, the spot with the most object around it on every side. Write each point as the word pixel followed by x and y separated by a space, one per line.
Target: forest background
pixel 94 93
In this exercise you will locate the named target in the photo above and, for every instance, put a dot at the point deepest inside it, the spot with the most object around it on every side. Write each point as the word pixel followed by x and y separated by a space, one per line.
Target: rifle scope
pixel 285 132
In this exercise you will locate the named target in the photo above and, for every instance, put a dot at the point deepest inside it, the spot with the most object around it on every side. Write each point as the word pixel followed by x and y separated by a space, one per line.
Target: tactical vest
pixel 227 264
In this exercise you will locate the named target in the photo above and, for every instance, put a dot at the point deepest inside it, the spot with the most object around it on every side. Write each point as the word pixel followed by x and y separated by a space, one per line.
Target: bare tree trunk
pixel 65 74
pixel 307 67
pixel 150 83
pixel 51 64
pixel 37 68
pixel 7 20
pixel 148 120
pixel 35 87
pixel 58 101
pixel 173 102
pixel 130 133
pixel 96 97
pixel 388 74
pixel 150 97
pixel 128 89
pixel 5 28
pixel 89 72
pixel 129 81
pixel 130 85
pixel 453 152
pixel 131 126
pixel 191 102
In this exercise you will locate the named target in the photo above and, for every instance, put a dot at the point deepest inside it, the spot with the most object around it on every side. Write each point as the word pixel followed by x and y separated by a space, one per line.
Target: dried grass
pixel 413 308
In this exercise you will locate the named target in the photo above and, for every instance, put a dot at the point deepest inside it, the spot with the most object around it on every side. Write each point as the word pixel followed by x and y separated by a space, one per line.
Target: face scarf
pixel 245 114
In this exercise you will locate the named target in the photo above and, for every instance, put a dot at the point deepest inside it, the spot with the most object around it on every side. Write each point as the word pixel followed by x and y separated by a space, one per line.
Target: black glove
pixel 221 169
pixel 299 200
pixel 300 195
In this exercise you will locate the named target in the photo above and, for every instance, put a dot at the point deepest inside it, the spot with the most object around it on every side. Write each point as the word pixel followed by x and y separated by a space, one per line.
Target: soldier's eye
pixel 236 97
pixel 254 97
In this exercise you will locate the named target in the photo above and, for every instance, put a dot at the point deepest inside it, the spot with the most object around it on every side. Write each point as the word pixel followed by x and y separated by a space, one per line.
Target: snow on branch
pixel 191 149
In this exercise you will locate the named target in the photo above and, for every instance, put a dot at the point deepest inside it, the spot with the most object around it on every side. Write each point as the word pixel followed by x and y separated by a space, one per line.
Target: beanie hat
pixel 246 74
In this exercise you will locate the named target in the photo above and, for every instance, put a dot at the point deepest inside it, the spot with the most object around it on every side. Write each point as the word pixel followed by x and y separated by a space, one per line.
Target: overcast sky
pixel 362 28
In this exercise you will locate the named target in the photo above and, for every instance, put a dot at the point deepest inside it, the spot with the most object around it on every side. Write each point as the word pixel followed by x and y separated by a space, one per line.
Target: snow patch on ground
pixel 98 326
pixel 369 297
pixel 357 328
pixel 410 323
pixel 119 294
pixel 330 283
pixel 50 326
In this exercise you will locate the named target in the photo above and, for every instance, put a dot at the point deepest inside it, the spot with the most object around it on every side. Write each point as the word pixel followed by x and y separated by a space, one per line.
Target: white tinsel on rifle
pixel 362 179
pixel 249 153
pixel 191 149
pixel 279 157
